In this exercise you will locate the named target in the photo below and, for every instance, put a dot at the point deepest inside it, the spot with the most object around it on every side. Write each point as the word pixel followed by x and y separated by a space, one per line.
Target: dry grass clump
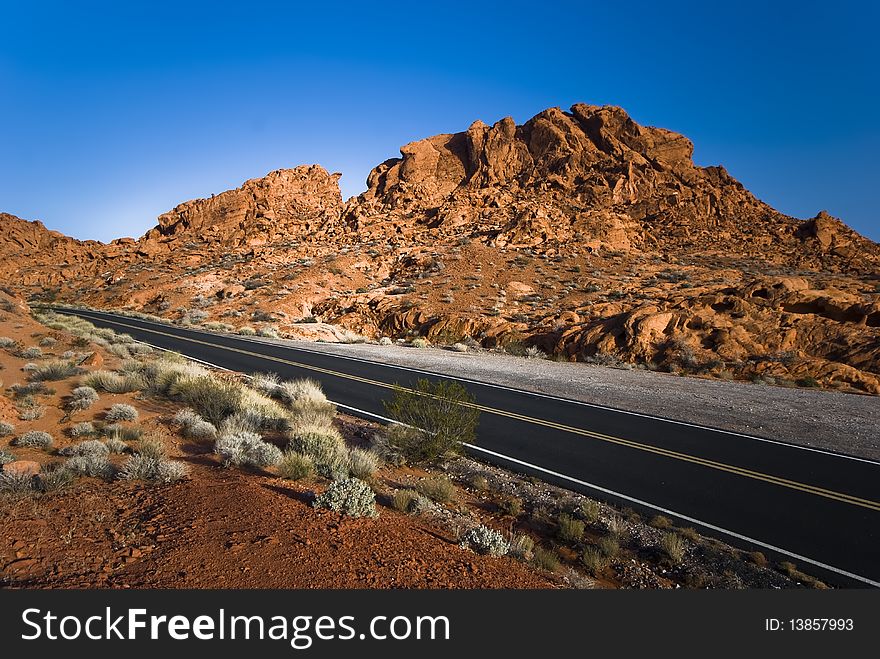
pixel 438 488
pixel 111 382
pixel 673 546
pixel 88 447
pixel 295 466
pixel 55 370
pixel 325 446
pixel 82 398
pixel 247 449
pixel 363 463
pixel 408 500
pixel 212 399
pixel 33 439
pixel 121 412
pixel 96 465
pixel 569 529
pixel 141 467
pixel 193 426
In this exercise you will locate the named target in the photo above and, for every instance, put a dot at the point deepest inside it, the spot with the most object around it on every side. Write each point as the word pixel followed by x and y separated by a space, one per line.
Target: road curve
pixel 815 508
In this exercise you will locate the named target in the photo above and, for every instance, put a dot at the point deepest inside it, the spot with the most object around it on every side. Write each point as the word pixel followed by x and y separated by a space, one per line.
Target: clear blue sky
pixel 111 113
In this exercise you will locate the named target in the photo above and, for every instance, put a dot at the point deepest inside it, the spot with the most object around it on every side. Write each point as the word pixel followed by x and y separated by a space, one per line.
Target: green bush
pixel 295 466
pixel 440 417
pixel 349 496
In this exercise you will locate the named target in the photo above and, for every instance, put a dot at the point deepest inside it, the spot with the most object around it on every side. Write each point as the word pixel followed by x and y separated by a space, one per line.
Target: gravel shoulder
pixel 830 420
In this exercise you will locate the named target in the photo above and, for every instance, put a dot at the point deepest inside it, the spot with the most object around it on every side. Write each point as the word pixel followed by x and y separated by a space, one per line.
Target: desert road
pixel 817 509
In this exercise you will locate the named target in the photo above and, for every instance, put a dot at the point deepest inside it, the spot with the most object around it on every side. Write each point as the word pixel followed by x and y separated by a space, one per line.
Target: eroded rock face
pixel 298 203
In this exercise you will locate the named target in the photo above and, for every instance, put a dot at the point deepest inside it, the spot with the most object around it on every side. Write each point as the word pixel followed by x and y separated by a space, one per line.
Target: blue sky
pixel 112 113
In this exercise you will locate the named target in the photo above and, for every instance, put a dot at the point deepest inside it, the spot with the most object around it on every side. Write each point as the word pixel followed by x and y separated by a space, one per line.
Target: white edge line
pixel 500 386
pixel 598 488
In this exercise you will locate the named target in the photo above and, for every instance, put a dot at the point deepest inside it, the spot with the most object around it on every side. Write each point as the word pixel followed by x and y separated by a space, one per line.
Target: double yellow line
pixel 675 455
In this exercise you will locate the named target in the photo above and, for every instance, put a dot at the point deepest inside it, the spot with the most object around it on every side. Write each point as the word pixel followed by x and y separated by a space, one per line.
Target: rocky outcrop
pixel 287 204
pixel 580 233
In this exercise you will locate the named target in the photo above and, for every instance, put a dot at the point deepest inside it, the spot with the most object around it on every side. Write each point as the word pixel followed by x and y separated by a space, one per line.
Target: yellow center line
pixel 720 466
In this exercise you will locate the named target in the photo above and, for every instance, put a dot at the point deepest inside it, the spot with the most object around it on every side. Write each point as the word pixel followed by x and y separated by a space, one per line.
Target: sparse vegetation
pixel 55 370
pixel 545 559
pixel 6 429
pixel 247 449
pixel 193 426
pixel 212 399
pixel 594 560
pixel 362 463
pixel 91 464
pixel 673 547
pixel 145 468
pixel 407 500
pixel 88 447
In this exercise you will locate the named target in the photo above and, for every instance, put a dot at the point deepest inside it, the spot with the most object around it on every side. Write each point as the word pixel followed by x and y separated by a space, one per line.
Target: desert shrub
pixel 673 546
pixel 407 500
pixel 522 547
pixel 82 429
pixel 511 505
pixel 193 426
pixel 246 331
pixel 122 433
pixel 111 382
pixel 758 558
pixel 152 446
pixel 247 449
pixel 307 412
pixel 439 415
pixel 6 429
pixel 145 468
pixel 589 510
pixel 268 331
pixel 420 342
pixel 31 353
pixel 295 466
pixel 349 496
pixel 484 540
pixel 82 398
pixel 88 447
pixel 6 342
pixel 213 399
pixel 12 483
pixel 47 342
pixel 459 347
pixel 121 412
pixel 325 446
pixel 480 482
pixel 594 560
pixel 116 445
pixel 33 439
pixel 262 411
pixel 689 534
pixel 616 526
pixel 362 463
pixel 6 457
pixel 30 410
pixel 55 370
pixel 439 489
pixel 660 522
pixel 305 389
pixel 385 341
pixel 569 529
pixel 609 546
pixel 266 383
pixel 54 477
pixel 120 350
pixel 91 464
pixel 31 389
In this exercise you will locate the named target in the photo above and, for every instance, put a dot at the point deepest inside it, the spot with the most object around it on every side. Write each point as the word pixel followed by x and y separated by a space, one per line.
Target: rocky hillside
pixel 580 233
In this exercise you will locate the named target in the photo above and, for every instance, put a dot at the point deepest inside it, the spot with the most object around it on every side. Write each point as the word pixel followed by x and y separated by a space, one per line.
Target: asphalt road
pixel 819 510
